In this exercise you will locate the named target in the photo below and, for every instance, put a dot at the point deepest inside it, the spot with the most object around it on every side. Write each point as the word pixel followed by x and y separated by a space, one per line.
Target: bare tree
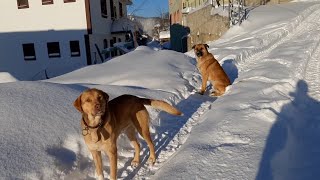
pixel 163 22
pixel 134 8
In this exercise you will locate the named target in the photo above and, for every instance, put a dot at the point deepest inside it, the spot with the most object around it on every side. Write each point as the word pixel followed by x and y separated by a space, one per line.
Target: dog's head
pixel 200 49
pixel 92 102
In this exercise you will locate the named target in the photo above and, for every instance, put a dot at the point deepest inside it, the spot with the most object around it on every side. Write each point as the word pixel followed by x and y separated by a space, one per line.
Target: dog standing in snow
pixel 103 121
pixel 210 70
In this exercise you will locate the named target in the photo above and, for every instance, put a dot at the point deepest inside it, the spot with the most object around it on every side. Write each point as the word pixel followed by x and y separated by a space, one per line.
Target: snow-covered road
pixel 280 73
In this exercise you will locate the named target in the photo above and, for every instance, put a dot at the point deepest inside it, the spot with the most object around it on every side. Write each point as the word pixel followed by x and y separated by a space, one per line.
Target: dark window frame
pixel 121 9
pixel 75 48
pixel 115 41
pixel 104 8
pixel 119 40
pixel 105 46
pixel 69 1
pixel 52 52
pixel 47 2
pixel 21 5
pixel 113 15
pixel 112 49
pixel 27 49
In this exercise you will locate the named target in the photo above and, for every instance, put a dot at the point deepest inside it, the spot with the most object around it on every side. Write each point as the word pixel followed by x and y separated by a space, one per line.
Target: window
pixel 113 15
pixel 104 12
pixel 22 4
pixel 68 1
pixel 46 2
pixel 120 9
pixel 112 49
pixel 53 49
pixel 115 51
pixel 74 48
pixel 105 46
pixel 29 52
pixel 119 40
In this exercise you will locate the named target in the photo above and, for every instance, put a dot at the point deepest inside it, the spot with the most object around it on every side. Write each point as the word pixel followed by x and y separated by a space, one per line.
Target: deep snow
pixel 265 127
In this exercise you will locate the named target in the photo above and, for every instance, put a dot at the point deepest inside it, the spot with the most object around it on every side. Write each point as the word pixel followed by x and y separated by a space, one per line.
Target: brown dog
pixel 103 121
pixel 211 70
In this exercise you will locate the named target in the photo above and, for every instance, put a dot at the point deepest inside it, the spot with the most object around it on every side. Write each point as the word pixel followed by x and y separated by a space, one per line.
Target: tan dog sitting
pixel 211 70
pixel 103 121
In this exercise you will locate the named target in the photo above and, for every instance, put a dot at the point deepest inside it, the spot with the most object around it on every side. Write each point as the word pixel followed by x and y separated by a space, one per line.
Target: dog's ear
pixel 77 104
pixel 106 96
pixel 206 45
pixel 193 46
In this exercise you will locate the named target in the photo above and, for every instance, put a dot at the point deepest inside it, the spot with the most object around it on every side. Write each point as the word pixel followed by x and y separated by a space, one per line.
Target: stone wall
pixel 205 27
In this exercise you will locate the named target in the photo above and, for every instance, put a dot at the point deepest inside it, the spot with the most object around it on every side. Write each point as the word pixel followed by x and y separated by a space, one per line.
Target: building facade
pixel 192 3
pixel 46 38
pixel 198 24
pixel 175 7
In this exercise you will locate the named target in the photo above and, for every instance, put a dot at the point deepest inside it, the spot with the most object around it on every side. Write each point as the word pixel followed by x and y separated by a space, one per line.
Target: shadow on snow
pixel 292 149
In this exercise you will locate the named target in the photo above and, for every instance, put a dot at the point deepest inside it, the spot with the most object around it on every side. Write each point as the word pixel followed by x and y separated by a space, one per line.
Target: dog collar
pixel 85 131
pixel 93 127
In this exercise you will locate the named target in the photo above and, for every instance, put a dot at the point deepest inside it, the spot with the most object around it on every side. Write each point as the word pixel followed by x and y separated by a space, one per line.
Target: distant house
pixel 41 38
pixel 175 7
pixel 164 36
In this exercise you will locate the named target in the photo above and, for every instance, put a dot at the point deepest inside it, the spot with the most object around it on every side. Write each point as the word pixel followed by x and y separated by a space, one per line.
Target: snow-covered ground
pixel 267 126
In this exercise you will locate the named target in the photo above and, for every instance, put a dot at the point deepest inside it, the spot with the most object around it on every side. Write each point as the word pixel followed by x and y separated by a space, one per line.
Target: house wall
pixel 58 22
pixel 175 7
pixel 101 27
pixel 205 27
pixel 12 57
pixel 38 17
pixel 40 24
pixel 195 27
pixel 193 3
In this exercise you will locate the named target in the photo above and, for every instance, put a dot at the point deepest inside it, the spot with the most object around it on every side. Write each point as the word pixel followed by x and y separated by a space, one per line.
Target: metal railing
pixel 237 11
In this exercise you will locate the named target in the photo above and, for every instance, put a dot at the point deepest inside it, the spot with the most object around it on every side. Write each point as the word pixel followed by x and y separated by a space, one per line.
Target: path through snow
pixel 293 51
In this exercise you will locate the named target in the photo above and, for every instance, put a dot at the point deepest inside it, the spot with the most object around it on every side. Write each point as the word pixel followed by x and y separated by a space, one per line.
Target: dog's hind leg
pixel 131 133
pixel 96 155
pixel 141 122
pixel 219 89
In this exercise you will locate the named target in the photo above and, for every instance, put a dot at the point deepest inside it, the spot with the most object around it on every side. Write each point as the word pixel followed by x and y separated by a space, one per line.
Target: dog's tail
pixel 162 105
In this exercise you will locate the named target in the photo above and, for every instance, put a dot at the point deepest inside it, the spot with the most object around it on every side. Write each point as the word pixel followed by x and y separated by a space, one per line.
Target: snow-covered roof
pixel 223 11
pixel 122 25
pixel 6 77
pixel 164 34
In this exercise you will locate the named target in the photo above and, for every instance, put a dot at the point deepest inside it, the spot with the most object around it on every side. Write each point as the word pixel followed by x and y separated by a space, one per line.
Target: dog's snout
pixel 199 53
pixel 97 106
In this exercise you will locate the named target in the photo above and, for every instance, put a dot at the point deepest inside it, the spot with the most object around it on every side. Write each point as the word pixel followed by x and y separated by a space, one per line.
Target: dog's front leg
pixel 112 154
pixel 98 163
pixel 204 83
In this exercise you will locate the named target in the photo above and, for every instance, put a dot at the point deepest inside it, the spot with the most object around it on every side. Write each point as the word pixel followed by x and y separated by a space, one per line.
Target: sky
pixel 148 8
pixel 265 127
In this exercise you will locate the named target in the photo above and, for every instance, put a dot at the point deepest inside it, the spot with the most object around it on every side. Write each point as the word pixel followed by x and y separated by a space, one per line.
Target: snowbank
pixel 40 129
pixel 6 77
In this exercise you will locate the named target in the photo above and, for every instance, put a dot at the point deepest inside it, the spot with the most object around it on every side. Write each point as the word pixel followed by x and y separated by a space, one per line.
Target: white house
pixel 40 38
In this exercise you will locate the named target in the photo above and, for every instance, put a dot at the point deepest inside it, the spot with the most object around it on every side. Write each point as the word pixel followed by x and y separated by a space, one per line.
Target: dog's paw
pixel 100 177
pixel 151 161
pixel 134 163
pixel 215 94
pixel 200 92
